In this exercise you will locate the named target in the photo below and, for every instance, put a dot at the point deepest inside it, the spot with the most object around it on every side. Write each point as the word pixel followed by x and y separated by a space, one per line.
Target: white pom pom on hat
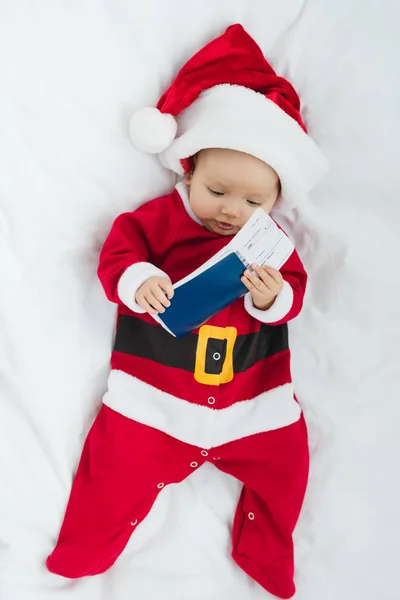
pixel 151 130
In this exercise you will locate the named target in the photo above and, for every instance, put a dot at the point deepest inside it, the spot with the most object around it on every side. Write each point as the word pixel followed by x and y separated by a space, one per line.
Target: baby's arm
pixel 127 255
pixel 289 301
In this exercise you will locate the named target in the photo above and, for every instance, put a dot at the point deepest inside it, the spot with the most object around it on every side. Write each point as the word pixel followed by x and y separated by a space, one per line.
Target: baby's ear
pixel 191 164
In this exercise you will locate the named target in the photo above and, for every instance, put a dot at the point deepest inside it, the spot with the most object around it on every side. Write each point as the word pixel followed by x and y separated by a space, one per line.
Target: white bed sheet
pixel 71 74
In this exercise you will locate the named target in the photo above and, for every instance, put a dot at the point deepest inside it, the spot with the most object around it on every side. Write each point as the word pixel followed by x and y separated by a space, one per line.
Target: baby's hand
pixel 264 288
pixel 154 295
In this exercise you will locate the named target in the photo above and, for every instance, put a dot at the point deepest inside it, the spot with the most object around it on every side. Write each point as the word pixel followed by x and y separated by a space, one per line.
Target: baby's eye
pixel 215 193
pixel 253 203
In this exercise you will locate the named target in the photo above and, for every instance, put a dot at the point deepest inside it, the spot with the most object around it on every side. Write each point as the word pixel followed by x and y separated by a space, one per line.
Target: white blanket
pixel 71 74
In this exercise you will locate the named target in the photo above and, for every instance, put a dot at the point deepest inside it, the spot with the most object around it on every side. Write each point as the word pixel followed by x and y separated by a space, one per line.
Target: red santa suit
pixel 222 394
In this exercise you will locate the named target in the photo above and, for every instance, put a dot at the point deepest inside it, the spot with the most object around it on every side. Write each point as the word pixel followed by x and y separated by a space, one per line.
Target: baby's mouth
pixel 225 226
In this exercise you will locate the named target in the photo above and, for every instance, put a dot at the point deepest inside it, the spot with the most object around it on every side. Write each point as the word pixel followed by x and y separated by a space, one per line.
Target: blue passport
pixel 205 295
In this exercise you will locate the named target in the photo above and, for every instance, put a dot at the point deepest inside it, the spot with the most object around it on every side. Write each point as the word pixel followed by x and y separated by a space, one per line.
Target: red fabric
pixel 233 58
pixel 124 466
pixel 265 375
pixel 163 233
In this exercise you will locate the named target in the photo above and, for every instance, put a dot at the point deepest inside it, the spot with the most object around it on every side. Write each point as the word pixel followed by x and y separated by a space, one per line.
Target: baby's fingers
pixel 265 276
pixel 159 294
pixel 166 286
pixel 247 283
pixel 252 282
pixel 255 281
pixel 143 303
pixel 276 275
pixel 155 303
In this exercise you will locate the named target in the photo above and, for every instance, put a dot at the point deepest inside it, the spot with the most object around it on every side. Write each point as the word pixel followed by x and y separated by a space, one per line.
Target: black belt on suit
pixel 146 340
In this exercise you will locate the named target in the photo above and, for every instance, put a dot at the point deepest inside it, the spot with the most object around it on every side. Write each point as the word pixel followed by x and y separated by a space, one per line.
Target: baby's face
pixel 227 186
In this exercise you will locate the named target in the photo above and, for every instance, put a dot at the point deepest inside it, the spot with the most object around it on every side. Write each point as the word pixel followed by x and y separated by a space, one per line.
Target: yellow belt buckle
pixel 219 333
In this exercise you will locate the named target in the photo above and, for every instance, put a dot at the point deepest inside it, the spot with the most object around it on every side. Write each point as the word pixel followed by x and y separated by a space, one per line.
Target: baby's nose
pixel 231 209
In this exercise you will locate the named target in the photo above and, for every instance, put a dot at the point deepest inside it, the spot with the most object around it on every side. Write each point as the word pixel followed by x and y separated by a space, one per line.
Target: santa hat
pixel 228 96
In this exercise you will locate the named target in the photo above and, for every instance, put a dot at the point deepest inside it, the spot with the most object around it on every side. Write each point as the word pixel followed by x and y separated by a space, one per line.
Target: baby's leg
pixel 273 467
pixel 123 467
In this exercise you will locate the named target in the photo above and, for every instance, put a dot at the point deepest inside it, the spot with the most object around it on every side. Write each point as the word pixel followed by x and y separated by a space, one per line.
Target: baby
pixel 222 394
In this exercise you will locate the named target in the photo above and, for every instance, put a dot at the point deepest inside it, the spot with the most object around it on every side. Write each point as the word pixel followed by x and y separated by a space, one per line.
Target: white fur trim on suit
pixel 182 190
pixel 196 424
pixel 280 308
pixel 235 117
pixel 131 280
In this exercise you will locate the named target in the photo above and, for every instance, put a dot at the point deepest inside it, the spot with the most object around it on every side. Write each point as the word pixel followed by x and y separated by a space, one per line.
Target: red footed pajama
pixel 124 466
